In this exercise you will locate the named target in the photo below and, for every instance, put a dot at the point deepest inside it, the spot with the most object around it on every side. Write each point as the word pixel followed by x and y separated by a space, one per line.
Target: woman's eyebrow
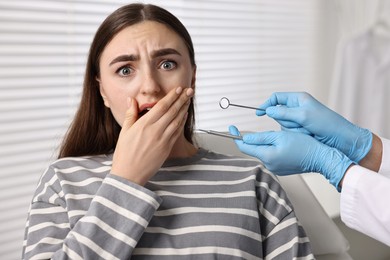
pixel 163 52
pixel 122 58
pixel 155 54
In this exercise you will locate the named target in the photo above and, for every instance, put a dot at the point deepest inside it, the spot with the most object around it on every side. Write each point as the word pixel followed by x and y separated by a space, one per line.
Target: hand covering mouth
pixel 145 109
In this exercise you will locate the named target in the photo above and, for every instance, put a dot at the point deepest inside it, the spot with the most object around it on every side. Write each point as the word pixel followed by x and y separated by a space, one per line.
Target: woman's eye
pixel 168 65
pixel 124 71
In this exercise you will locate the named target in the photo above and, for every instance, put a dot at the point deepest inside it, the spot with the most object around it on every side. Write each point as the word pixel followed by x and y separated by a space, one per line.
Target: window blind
pixel 245 50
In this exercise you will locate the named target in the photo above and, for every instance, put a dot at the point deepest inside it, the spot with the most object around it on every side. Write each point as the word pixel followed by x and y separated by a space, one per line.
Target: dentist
pixel 317 139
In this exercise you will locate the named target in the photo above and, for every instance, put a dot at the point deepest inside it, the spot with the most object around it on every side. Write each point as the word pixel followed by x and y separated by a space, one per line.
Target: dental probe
pixel 224 103
pixel 212 132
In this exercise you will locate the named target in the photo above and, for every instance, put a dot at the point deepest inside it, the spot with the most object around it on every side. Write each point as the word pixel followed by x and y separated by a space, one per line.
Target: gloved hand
pixel 300 112
pixel 285 153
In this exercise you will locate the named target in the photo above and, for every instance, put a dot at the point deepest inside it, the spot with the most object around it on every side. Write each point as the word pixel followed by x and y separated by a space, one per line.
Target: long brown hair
pixel 94 129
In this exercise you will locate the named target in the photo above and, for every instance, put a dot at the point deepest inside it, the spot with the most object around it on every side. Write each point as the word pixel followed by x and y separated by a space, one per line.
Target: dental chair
pixel 327 241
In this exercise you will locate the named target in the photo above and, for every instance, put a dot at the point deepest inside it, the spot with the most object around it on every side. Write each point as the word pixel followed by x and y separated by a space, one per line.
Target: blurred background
pixel 245 50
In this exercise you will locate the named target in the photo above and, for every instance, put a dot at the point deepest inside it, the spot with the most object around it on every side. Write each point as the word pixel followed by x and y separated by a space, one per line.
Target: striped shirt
pixel 209 206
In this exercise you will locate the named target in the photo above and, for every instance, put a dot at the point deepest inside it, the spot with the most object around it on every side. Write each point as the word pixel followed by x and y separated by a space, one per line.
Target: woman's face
pixel 144 61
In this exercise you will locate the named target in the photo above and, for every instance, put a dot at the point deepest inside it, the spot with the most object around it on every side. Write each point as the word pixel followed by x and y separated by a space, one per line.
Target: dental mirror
pixel 224 103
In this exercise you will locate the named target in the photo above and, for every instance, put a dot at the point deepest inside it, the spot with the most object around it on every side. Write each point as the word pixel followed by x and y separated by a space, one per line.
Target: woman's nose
pixel 150 84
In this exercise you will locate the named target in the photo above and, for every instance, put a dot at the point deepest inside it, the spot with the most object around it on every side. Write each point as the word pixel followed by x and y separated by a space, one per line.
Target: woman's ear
pixel 102 93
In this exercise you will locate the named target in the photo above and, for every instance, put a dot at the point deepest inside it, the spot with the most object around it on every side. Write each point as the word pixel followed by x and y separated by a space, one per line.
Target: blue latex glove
pixel 300 112
pixel 285 153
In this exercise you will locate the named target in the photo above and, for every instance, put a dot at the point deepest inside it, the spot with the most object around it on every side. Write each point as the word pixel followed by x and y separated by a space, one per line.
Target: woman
pixel 130 182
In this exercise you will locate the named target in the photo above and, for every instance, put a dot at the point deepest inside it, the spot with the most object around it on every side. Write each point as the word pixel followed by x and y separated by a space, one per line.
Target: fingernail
pixel 179 90
pixel 189 92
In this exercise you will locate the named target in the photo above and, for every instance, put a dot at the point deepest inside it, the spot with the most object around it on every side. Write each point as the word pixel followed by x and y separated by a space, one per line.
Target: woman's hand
pixel 144 144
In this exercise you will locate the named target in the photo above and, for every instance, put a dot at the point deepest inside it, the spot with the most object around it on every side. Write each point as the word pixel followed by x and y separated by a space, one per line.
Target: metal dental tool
pixel 212 132
pixel 224 103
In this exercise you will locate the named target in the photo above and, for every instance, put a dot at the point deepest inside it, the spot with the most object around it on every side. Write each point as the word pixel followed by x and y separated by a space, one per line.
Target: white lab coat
pixel 360 88
pixel 365 199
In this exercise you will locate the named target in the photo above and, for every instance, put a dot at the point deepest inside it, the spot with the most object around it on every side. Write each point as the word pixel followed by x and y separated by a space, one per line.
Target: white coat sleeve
pixel 385 165
pixel 364 199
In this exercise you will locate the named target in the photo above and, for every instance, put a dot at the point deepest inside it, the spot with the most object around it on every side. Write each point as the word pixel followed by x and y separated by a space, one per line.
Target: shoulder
pixel 82 161
pixel 95 163
pixel 70 169
pixel 265 181
pixel 81 168
pixel 268 189
pixel 240 163
pixel 232 161
pixel 228 159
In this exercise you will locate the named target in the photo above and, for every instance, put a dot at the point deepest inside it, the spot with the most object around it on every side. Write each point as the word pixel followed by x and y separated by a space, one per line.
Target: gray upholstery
pixel 326 239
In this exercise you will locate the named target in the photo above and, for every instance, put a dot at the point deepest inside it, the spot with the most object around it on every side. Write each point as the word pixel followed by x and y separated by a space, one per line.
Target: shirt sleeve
pixel 284 237
pixel 114 222
pixel 385 164
pixel 364 203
